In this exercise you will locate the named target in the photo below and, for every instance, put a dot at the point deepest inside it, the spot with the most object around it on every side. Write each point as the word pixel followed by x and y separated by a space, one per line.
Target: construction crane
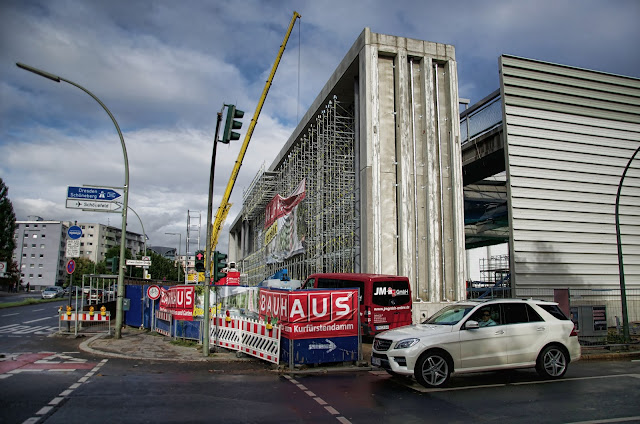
pixel 223 209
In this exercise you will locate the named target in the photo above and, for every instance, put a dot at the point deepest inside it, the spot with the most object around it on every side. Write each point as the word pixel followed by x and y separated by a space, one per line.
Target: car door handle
pixel 541 328
pixel 497 333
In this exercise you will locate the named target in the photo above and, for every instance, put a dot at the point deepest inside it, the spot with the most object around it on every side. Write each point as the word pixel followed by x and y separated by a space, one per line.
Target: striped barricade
pixel 228 333
pixel 261 342
pixel 84 316
pixel 249 336
pixel 163 323
pixel 84 322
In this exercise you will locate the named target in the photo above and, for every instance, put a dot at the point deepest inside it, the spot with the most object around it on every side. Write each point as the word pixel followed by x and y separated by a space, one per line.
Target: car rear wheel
pixel 552 362
pixel 432 369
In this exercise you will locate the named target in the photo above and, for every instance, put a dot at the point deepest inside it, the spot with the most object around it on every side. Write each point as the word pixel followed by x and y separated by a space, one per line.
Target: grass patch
pixel 184 343
pixel 23 302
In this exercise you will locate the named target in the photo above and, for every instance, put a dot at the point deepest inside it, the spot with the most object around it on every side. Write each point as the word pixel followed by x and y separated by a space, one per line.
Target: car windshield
pixel 450 315
pixel 51 289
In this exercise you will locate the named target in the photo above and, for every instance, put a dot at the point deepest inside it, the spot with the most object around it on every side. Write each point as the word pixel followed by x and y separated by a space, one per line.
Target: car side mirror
pixel 471 324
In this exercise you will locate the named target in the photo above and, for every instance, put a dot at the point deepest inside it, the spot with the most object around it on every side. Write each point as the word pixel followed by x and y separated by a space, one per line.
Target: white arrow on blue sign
pixel 74 232
pixel 92 193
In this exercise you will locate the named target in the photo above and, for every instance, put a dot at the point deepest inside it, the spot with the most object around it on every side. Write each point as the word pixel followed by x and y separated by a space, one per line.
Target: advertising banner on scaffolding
pixel 318 326
pixel 284 231
pixel 179 301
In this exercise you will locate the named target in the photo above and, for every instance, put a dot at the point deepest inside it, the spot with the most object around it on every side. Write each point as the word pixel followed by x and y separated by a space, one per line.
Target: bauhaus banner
pixel 310 314
pixel 284 230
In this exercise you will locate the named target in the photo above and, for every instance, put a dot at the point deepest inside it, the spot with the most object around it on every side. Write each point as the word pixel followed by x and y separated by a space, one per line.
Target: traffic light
pixel 113 263
pixel 200 260
pixel 219 263
pixel 232 124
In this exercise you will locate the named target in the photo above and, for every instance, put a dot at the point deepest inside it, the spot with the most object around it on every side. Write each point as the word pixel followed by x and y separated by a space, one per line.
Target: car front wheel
pixel 432 369
pixel 552 362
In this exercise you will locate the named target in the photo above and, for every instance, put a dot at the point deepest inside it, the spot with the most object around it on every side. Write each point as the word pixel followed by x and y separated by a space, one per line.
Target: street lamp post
pixel 179 244
pixel 119 309
pixel 623 289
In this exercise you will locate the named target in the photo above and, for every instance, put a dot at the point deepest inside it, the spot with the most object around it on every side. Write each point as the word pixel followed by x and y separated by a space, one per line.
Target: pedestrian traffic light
pixel 200 260
pixel 113 262
pixel 232 124
pixel 219 263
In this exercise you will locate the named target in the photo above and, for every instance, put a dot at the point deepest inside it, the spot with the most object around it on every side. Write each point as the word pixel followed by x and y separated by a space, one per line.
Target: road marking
pixel 58 399
pixel 610 420
pixel 20 329
pixel 320 401
pixel 415 386
pixel 39 319
pixel 8 315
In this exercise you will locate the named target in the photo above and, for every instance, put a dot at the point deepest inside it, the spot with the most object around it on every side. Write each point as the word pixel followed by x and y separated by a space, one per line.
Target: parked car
pixel 95 295
pixel 473 336
pixel 52 292
pixel 75 290
pixel 111 291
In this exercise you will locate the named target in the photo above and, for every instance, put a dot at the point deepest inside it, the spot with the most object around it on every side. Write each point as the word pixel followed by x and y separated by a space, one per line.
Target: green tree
pixel 112 252
pixel 7 232
pixel 162 268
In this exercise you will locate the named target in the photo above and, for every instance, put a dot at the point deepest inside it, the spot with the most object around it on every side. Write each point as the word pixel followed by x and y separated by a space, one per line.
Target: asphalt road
pixel 48 379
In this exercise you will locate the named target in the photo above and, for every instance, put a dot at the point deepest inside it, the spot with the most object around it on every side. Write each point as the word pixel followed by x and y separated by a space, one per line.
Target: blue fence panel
pixel 187 329
pixel 318 351
pixel 133 316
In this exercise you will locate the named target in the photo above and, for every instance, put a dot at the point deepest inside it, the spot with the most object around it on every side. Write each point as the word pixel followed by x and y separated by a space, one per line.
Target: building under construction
pixel 370 180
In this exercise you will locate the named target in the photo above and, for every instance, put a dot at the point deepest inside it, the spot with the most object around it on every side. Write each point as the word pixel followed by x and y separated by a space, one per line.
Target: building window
pixel 42 246
pixel 27 225
pixel 40 266
pixel 35 236
pixel 44 225
pixel 41 255
pixel 44 235
pixel 39 275
pixel 33 255
pixel 35 225
pixel 24 255
pixel 25 245
pixel 33 245
pixel 32 266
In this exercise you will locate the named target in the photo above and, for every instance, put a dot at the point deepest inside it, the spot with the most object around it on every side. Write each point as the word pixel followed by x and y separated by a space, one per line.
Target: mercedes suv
pixel 473 336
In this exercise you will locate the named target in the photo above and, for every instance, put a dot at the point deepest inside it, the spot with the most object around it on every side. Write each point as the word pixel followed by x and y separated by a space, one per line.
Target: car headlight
pixel 406 343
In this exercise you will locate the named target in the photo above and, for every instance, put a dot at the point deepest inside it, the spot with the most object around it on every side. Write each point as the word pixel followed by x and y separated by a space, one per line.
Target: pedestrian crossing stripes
pixel 21 329
pixel 16 363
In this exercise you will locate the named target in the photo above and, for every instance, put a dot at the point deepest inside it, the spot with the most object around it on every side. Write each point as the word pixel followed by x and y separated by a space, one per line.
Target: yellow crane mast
pixel 223 209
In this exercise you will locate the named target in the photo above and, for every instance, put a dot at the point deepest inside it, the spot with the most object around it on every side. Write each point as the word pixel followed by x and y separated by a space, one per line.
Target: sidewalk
pixel 143 344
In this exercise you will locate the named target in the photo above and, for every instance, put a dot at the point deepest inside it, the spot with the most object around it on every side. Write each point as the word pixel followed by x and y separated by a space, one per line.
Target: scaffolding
pixel 327 218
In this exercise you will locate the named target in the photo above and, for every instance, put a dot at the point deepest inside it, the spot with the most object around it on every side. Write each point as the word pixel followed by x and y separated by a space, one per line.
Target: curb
pixel 86 347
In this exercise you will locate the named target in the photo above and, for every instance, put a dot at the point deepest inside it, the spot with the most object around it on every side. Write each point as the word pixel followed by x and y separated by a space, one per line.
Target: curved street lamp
pixel 119 311
pixel 623 290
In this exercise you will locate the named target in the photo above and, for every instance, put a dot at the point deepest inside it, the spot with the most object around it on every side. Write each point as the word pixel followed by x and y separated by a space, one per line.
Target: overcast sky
pixel 165 68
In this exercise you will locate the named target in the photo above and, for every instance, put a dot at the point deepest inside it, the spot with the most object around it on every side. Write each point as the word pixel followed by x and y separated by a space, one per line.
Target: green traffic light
pixel 219 263
pixel 232 124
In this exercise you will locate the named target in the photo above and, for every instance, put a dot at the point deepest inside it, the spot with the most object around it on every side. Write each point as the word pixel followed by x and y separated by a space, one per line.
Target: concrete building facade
pixel 379 153
pixel 41 248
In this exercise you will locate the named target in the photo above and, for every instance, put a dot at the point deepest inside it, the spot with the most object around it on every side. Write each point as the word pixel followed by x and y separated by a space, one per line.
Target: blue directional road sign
pixel 92 193
pixel 74 232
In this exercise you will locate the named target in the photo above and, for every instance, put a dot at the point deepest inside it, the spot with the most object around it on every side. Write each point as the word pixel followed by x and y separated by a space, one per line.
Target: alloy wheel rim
pixel 436 371
pixel 554 362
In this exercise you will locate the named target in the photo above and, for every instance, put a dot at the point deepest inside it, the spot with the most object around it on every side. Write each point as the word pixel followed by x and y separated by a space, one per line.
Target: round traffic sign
pixel 153 292
pixel 71 266
pixel 74 232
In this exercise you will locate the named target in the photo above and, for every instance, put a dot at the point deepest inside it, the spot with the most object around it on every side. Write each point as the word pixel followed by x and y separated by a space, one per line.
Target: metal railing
pixel 481 118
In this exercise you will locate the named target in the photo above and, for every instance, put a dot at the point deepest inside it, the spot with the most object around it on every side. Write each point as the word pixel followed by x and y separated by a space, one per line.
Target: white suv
pixel 474 336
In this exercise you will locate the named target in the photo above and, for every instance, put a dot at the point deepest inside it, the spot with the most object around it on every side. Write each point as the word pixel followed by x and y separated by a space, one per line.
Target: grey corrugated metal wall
pixel 569 133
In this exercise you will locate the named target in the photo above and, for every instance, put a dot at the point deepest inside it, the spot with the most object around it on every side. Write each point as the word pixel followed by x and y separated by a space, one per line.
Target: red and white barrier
pixel 248 336
pixel 84 316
